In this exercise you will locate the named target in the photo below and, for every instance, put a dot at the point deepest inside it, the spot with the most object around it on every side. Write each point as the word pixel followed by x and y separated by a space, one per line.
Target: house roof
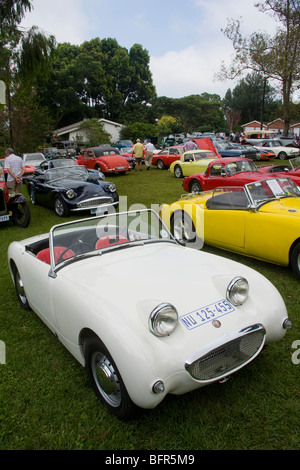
pixel 76 125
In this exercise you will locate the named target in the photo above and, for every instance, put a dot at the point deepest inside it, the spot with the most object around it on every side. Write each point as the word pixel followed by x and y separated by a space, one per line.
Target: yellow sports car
pixel 191 162
pixel 260 220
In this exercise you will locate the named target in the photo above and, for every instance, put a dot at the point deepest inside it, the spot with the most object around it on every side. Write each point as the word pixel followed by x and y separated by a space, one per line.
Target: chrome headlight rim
pixel 163 319
pixel 237 291
pixel 112 188
pixel 70 193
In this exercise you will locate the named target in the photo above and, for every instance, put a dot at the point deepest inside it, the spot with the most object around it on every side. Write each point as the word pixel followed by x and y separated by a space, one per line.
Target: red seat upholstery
pixel 44 255
pixel 110 241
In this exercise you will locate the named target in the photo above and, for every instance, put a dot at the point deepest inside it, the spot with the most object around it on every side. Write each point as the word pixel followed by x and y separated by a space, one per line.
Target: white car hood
pixel 158 272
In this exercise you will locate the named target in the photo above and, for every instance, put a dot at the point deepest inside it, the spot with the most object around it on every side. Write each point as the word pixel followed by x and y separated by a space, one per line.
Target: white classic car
pixel 280 150
pixel 192 318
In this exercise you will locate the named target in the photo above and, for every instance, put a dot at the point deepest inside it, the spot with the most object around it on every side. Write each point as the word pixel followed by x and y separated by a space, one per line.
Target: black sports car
pixel 71 189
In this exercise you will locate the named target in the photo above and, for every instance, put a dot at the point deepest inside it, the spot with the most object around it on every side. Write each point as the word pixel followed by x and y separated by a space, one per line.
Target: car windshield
pixel 295 163
pixel 200 156
pixel 125 150
pixel 75 172
pixel 261 191
pixel 34 157
pixel 98 235
pixel 240 166
pixel 225 146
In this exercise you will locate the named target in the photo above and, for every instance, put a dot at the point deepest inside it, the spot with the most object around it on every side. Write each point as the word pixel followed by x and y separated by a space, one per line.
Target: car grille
pixel 2 201
pixel 229 356
pixel 95 202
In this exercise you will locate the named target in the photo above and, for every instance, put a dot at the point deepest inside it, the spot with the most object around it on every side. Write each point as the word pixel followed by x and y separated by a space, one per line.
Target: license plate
pixel 206 314
pixel 98 210
pixel 4 218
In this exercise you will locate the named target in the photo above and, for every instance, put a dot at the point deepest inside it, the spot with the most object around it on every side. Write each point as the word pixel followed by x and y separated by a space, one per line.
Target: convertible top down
pixel 138 346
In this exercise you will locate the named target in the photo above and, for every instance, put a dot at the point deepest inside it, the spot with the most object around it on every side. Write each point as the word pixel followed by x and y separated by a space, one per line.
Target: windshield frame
pixel 93 227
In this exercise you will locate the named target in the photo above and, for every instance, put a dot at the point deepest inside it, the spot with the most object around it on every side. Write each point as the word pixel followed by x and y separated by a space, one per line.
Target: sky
pixel 184 38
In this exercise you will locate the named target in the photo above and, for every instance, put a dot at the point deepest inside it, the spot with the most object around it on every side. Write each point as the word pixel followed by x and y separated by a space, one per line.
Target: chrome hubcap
pixel 20 289
pixel 181 230
pixel 106 379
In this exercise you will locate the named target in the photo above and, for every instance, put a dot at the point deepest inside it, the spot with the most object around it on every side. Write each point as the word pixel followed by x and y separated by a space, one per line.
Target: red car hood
pixel 207 144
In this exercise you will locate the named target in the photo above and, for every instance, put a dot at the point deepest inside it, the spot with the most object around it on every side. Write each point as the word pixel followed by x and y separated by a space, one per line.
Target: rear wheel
pixel 106 379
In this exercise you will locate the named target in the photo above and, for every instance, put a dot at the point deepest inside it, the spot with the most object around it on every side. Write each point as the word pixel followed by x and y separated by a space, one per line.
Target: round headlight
pixel 112 188
pixel 163 320
pixel 237 291
pixel 70 194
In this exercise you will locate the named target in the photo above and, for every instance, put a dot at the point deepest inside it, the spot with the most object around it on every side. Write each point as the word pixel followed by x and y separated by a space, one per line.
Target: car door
pixel 224 220
pixel 215 176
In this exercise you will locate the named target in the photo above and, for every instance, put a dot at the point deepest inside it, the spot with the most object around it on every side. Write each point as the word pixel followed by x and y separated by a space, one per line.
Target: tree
pixel 274 57
pixel 253 97
pixel 100 78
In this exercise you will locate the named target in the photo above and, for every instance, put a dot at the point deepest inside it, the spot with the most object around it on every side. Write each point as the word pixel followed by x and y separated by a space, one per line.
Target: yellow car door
pixel 224 220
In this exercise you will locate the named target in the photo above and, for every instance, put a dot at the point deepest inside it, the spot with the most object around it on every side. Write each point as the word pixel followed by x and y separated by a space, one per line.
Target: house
pixel 273 127
pixel 74 133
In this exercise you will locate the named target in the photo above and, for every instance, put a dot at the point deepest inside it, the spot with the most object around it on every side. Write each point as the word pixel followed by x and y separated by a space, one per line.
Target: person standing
pixel 15 167
pixel 138 151
pixel 149 153
pixel 190 145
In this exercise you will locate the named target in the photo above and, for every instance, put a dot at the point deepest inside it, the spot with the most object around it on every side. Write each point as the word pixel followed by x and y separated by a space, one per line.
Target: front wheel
pixel 21 214
pixel 106 380
pixel 60 207
pixel 295 260
pixel 160 164
pixel 32 195
pixel 22 298
pixel 195 187
pixel 183 228
pixel 178 172
pixel 282 156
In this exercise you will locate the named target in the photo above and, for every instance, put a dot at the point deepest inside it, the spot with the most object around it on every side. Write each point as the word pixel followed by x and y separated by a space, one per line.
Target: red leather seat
pixel 110 241
pixel 44 255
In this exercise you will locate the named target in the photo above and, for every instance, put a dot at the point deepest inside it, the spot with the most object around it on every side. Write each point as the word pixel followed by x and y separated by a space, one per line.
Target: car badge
pixel 216 323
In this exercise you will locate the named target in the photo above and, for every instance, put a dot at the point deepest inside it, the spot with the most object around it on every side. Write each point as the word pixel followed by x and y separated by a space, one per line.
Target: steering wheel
pixel 76 251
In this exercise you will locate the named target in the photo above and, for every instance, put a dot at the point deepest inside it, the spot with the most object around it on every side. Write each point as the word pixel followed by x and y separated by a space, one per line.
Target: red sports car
pixel 165 157
pixel 103 158
pixel 290 170
pixel 223 172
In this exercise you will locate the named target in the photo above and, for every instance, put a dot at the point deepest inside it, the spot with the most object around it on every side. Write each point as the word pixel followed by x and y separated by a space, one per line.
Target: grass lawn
pixel 46 401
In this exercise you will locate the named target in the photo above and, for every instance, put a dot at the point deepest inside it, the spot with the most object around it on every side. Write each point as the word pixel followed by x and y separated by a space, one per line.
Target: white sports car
pixel 145 315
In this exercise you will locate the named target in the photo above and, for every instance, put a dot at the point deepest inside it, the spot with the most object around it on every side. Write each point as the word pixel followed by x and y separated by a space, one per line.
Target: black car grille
pixel 95 202
pixel 2 201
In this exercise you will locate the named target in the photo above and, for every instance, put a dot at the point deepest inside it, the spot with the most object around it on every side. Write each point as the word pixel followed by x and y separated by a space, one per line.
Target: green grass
pixel 46 401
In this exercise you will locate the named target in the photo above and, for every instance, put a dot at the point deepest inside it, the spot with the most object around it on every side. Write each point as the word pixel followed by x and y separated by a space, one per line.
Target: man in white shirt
pixel 15 167
pixel 149 153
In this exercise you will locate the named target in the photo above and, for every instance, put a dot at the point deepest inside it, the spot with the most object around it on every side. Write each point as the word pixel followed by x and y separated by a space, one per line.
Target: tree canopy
pixel 274 57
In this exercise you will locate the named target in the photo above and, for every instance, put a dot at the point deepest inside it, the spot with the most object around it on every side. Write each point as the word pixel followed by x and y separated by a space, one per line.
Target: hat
pixel 138 140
